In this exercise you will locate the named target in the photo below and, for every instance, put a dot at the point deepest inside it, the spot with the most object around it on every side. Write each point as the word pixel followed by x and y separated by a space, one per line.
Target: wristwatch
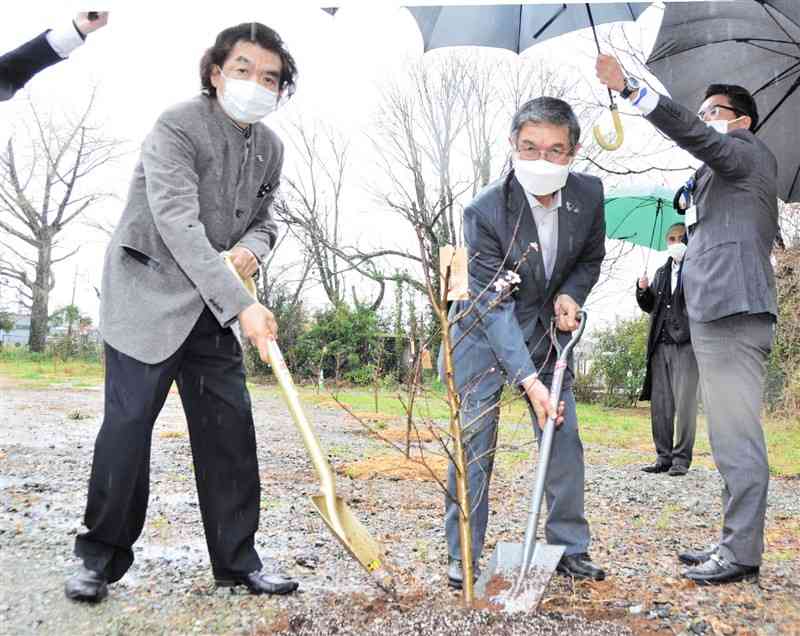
pixel 631 86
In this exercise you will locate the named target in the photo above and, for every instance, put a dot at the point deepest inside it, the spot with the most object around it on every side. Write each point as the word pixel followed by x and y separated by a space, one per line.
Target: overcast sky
pixel 147 59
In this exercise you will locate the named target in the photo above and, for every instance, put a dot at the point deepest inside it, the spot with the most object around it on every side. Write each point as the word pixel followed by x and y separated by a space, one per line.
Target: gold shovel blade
pixel 356 540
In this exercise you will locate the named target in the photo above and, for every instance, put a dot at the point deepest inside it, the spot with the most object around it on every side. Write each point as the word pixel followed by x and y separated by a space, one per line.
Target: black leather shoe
pixel 86 585
pixel 677 470
pixel 259 583
pixel 580 566
pixel 455 575
pixel 656 468
pixel 718 570
pixel 696 557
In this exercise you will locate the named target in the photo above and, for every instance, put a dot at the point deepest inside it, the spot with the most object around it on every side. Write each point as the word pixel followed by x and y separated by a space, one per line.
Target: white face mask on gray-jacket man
pixel 204 184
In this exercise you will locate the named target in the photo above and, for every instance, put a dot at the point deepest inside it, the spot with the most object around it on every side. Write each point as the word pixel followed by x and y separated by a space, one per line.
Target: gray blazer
pixel 726 269
pixel 500 337
pixel 201 186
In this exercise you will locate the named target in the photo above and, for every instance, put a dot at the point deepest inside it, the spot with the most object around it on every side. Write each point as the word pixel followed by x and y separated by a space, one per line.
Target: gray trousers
pixel 566 524
pixel 673 403
pixel 731 355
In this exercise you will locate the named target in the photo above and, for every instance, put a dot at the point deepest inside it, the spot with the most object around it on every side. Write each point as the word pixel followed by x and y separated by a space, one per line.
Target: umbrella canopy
pixel 641 219
pixel 752 43
pixel 518 26
pixel 513 26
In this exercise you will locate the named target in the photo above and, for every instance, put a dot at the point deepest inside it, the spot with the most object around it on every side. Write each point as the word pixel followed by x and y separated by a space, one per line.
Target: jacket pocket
pixel 714 284
pixel 142 257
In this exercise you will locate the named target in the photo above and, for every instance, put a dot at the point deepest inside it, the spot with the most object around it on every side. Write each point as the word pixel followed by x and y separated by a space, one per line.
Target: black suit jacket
pixel 654 300
pixel 17 67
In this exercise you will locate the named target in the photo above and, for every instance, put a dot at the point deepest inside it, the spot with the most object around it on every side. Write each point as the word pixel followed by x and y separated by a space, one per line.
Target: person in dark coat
pixel 672 378
pixel 17 67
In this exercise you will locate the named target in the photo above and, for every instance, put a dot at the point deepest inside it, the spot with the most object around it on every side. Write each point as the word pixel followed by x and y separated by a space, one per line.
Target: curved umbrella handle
pixel 618 131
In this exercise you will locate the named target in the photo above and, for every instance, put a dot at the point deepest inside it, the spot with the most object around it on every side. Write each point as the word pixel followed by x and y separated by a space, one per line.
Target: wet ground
pixel 638 522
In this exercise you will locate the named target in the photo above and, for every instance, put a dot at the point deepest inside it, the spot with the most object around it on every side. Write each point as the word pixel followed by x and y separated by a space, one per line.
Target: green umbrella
pixel 641 219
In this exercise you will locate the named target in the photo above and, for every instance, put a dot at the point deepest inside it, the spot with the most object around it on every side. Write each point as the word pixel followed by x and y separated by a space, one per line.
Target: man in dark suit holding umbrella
pixel 671 380
pixel 729 286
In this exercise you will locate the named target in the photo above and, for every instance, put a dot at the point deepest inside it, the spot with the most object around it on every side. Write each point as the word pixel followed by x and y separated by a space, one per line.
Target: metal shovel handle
pixel 545 447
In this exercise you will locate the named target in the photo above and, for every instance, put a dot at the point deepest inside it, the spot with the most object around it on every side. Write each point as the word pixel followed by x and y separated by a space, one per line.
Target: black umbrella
pixel 519 26
pixel 753 43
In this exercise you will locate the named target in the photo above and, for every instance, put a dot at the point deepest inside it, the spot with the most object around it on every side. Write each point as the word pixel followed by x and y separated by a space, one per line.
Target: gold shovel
pixel 334 512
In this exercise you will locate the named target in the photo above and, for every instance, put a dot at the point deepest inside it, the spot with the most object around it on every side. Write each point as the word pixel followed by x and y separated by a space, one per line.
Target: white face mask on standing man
pixel 540 177
pixel 677 251
pixel 246 101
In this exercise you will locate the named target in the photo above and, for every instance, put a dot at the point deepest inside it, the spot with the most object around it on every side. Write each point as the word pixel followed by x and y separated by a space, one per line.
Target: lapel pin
pixel 535 247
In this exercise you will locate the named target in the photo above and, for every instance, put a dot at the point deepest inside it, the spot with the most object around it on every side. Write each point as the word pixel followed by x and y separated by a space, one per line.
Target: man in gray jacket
pixel 729 287
pixel 536 240
pixel 203 185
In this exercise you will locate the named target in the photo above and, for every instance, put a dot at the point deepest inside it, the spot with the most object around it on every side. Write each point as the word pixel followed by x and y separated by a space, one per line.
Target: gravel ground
pixel 638 522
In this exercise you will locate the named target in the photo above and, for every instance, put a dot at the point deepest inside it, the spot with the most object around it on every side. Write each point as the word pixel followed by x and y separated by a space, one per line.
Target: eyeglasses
pixel 529 152
pixel 714 111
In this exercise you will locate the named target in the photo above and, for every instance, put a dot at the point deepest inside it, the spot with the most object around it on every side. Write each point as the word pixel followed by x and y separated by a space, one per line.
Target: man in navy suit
pixel 18 66
pixel 536 239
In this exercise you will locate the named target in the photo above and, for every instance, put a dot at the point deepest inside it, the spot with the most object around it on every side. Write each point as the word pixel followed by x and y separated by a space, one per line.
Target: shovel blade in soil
pixel 357 540
pixel 495 587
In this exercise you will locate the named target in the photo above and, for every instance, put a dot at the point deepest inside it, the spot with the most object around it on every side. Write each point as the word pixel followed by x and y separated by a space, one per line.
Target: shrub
pixel 291 318
pixel 620 360
pixel 783 367
pixel 342 340
pixel 585 387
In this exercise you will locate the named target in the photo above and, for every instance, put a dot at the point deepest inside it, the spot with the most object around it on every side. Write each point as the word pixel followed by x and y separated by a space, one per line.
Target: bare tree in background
pixel 42 192
pixel 441 136
pixel 420 122
pixel 312 204
pixel 287 278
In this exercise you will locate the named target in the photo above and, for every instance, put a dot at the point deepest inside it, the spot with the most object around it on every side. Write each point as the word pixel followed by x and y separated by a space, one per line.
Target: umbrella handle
pixel 618 132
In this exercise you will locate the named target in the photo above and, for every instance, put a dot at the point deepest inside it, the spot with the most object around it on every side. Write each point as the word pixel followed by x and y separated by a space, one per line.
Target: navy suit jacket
pixel 17 67
pixel 499 336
